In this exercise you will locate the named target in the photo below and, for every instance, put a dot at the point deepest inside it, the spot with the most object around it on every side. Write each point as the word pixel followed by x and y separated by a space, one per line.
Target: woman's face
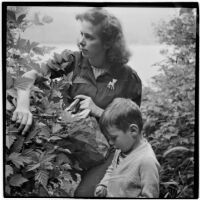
pixel 89 42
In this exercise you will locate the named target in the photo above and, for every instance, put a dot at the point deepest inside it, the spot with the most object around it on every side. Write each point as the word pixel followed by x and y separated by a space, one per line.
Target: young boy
pixel 134 171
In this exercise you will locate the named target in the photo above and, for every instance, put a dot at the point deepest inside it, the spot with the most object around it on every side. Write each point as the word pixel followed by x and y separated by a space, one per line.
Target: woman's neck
pixel 98 62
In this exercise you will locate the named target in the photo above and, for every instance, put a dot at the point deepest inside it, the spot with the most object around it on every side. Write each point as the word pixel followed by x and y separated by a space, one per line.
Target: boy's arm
pixel 107 175
pixel 149 173
pixel 109 171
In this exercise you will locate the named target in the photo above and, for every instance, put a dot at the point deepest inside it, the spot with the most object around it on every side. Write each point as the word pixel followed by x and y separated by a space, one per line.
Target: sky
pixel 136 23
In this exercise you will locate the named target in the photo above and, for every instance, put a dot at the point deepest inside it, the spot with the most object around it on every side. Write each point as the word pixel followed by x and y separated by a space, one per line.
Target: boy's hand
pixel 101 191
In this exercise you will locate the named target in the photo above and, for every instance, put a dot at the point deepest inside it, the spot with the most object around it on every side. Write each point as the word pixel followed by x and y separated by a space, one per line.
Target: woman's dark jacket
pixel 128 83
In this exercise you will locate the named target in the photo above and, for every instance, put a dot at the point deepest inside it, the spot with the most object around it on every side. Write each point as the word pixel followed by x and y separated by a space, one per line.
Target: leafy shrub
pixel 35 165
pixel 39 164
pixel 169 108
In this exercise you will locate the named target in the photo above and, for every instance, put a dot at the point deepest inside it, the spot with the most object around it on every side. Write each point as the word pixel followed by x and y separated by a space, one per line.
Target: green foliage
pixel 17 180
pixel 32 166
pixel 169 108
pixel 48 160
pixel 40 164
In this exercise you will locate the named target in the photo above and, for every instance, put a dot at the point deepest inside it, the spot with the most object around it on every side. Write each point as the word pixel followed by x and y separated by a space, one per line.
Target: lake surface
pixel 143 57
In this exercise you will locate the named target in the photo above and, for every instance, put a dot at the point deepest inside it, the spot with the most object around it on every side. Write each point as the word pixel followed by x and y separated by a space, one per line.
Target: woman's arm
pixel 22 114
pixel 56 67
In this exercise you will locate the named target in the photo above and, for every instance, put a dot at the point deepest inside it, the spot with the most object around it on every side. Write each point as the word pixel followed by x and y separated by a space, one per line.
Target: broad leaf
pixel 7 189
pixel 12 92
pixel 34 44
pixel 68 77
pixel 9 170
pixel 11 15
pixel 68 184
pixel 54 138
pixel 169 183
pixel 56 93
pixel 27 48
pixel 21 43
pixel 35 66
pixel 44 132
pixel 21 18
pixel 47 158
pixel 42 177
pixel 17 146
pixel 32 134
pixel 10 140
pixel 77 167
pixel 67 117
pixel 58 58
pixel 9 106
pixel 17 180
pixel 62 158
pixel 12 130
pixel 175 149
pixel 56 128
pixel 67 151
pixel 48 166
pixel 32 167
pixel 18 160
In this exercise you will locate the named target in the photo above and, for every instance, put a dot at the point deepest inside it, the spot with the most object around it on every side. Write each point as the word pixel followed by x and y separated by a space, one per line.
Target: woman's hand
pixel 100 191
pixel 22 114
pixel 23 117
pixel 88 106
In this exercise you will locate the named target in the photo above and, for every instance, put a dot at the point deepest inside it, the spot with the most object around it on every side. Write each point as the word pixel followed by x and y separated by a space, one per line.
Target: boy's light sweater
pixel 136 176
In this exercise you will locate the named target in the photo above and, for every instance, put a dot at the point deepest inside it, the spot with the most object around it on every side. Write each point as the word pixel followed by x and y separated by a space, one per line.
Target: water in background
pixel 143 57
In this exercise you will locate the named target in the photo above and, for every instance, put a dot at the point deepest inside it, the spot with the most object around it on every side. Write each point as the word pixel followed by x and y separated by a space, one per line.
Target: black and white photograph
pixel 100 100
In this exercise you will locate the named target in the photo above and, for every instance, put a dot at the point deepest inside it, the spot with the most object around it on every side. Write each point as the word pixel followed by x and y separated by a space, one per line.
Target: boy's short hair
pixel 121 113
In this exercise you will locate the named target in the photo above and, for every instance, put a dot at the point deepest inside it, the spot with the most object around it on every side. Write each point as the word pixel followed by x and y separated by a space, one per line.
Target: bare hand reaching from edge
pixel 22 114
pixel 24 118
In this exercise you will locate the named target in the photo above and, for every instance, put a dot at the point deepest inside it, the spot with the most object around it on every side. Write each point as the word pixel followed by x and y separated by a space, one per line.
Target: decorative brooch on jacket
pixel 111 84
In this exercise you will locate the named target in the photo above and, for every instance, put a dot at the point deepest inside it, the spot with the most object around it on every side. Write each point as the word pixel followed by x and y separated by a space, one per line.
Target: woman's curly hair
pixel 111 35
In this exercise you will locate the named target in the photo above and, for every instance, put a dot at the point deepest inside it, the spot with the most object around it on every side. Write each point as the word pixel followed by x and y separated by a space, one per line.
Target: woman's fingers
pixel 83 114
pixel 72 105
pixel 84 104
pixel 14 117
pixel 24 119
pixel 81 96
pixel 28 123
pixel 20 117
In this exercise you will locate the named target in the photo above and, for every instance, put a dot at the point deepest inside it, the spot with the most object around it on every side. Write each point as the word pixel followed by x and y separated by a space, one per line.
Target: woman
pixel 100 74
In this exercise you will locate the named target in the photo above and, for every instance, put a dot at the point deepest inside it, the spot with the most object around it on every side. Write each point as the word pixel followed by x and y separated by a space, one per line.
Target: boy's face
pixel 120 139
